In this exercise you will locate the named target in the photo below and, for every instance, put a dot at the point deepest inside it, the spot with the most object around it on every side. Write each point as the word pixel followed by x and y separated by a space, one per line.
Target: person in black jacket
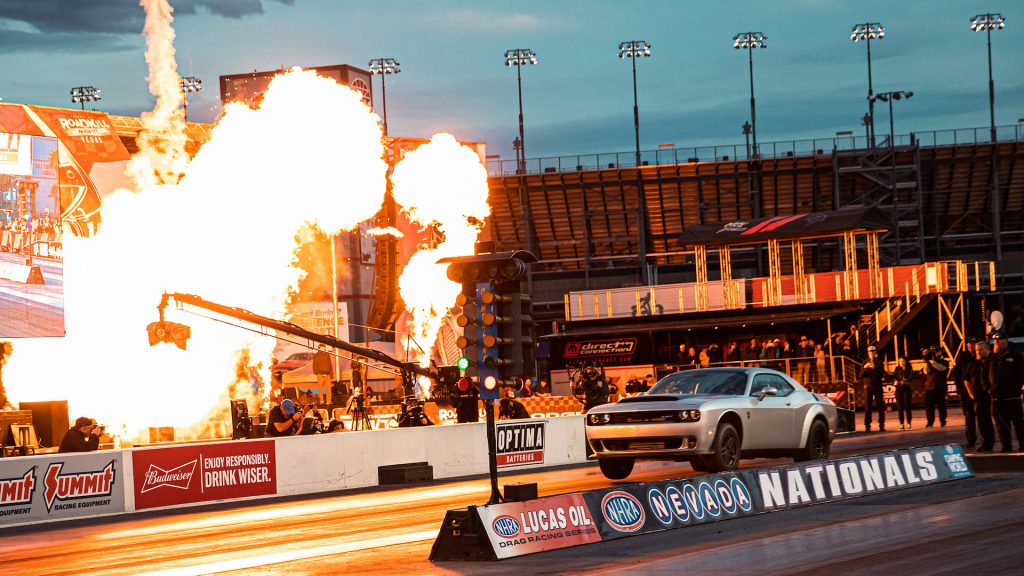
pixel 1006 377
pixel 935 371
pixel 284 419
pixel 977 378
pixel 871 378
pixel 83 437
pixel 965 391
pixel 903 377
pixel 595 388
pixel 510 408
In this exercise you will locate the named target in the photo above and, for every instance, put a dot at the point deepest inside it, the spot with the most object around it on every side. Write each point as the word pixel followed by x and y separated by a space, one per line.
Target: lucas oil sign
pixel 202 473
pixel 517 528
pixel 520 442
pixel 60 486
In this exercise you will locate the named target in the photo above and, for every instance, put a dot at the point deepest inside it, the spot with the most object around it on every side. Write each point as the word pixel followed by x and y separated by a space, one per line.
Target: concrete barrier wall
pixel 262 468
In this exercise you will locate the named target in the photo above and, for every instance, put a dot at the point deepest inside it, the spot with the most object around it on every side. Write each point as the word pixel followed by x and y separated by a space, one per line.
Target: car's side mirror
pixel 767 392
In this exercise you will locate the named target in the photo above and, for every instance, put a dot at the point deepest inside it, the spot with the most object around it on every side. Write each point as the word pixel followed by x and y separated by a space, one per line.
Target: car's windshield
pixel 301 356
pixel 702 383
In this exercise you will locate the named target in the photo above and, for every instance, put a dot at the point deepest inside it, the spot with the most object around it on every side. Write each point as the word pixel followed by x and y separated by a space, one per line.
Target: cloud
pixel 111 16
pixel 15 41
pixel 468 20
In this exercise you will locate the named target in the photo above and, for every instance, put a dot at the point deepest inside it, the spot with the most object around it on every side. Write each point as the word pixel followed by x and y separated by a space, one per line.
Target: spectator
pixel 903 377
pixel 1006 377
pixel 336 426
pixel 978 378
pixel 965 392
pixel 733 355
pixel 804 353
pixel 821 365
pixel 714 353
pixel 934 387
pixel 871 378
pixel 542 388
pixel 84 436
pixel 692 359
pixel 323 369
pixel 753 351
pixel 704 358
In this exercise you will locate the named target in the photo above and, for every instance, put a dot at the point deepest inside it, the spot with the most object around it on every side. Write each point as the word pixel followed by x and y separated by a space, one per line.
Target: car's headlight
pixel 688 416
pixel 598 419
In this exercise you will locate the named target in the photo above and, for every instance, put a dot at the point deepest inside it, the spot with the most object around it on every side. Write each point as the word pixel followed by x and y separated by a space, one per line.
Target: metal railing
pixel 766 150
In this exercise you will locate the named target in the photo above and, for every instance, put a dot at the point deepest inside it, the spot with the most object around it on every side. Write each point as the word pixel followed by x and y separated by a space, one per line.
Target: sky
pixel 810 82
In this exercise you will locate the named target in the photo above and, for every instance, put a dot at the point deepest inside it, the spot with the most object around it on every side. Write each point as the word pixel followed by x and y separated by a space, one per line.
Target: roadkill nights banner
pixel 34 489
pixel 520 442
pixel 202 473
pixel 519 528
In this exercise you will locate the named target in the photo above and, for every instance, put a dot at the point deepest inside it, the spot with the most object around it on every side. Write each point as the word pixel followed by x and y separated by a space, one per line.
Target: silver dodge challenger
pixel 713 417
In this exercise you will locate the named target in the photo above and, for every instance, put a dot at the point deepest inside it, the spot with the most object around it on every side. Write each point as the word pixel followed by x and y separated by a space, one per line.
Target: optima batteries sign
pixel 34 489
pixel 520 442
pixel 558 521
pixel 202 473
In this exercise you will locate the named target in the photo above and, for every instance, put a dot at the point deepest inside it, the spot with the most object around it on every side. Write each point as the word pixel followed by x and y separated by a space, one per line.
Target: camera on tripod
pixel 412 413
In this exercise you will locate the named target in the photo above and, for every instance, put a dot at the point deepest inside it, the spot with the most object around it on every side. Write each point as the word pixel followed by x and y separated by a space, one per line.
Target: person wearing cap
pixel 324 370
pixel 903 376
pixel 510 408
pixel 871 378
pixel 934 387
pixel 284 420
pixel 595 388
pixel 1006 377
pixel 84 436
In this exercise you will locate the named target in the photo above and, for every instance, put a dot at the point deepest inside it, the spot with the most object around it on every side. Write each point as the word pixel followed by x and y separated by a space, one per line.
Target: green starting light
pixel 463 363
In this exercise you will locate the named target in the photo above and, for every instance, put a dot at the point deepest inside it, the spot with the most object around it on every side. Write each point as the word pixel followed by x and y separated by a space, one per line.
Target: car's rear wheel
pixel 726 452
pixel 616 468
pixel 818 447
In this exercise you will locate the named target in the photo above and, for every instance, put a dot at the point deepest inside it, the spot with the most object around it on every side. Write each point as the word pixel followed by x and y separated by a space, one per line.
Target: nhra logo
pixel 180 477
pixel 622 511
pixel 620 347
pixel 14 491
pixel 76 485
pixel 506 526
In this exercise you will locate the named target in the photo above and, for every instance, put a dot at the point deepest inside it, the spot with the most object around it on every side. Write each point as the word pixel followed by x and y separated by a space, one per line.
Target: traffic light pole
pixel 492 452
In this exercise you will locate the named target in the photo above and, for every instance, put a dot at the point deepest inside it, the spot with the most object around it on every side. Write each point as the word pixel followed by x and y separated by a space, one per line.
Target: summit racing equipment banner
pixel 201 473
pixel 518 528
pixel 34 489
pixel 520 442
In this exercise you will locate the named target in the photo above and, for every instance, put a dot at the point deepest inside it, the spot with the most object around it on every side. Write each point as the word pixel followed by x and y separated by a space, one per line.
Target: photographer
pixel 83 437
pixel 934 387
pixel 510 408
pixel 284 420
pixel 595 388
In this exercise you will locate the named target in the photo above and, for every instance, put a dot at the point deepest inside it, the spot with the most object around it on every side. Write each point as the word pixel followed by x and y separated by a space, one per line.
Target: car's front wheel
pixel 726 454
pixel 616 468
pixel 818 447
pixel 698 464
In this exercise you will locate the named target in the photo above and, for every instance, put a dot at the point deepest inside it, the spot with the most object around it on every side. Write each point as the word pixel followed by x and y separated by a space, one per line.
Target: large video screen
pixel 31 264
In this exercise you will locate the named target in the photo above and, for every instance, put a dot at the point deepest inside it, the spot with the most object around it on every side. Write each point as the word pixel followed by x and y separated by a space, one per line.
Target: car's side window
pixel 761 381
pixel 782 385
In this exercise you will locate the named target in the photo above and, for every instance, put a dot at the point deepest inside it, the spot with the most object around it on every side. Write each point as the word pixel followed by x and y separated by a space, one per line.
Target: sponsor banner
pixel 610 513
pixel 643 508
pixel 518 528
pixel 785 487
pixel 520 442
pixel 202 473
pixel 60 487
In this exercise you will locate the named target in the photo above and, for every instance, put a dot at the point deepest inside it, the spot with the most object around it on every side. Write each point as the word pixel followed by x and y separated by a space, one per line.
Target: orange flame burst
pixel 311 152
pixel 442 185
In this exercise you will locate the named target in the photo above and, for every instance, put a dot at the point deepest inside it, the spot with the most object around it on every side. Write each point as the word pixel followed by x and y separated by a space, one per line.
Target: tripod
pixel 360 421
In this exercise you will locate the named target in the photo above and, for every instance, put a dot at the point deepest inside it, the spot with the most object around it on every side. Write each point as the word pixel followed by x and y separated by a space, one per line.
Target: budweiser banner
pixel 42 488
pixel 203 473
pixel 518 528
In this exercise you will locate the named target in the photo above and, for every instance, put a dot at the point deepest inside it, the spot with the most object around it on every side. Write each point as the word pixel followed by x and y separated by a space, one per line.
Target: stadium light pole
pixel 748 41
pixel 520 57
pixel 869 31
pixel 989 22
pixel 189 84
pixel 890 97
pixel 634 49
pixel 83 94
pixel 384 66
